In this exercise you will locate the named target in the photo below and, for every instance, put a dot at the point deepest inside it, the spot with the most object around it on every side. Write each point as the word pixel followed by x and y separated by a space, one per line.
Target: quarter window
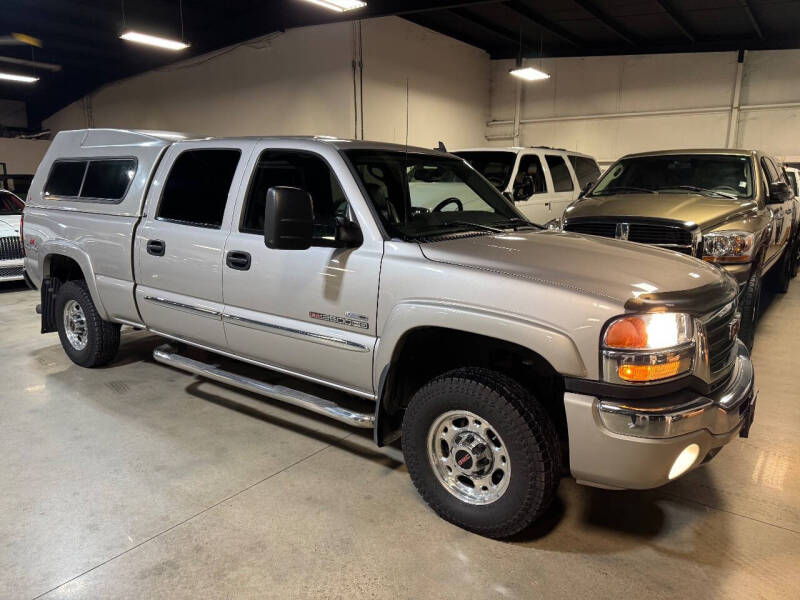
pixel 303 170
pixel 65 178
pixel 586 170
pixel 196 190
pixel 562 180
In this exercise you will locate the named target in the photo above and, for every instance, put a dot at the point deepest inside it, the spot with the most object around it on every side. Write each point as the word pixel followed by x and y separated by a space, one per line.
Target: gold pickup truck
pixel 732 208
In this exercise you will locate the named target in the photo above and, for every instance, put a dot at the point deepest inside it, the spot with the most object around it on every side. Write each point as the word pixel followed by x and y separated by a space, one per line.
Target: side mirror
pixel 586 189
pixel 348 233
pixel 524 189
pixel 288 219
pixel 779 192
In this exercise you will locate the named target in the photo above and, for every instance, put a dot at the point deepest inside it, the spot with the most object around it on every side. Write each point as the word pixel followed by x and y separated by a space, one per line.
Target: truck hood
pixel 9 225
pixel 634 275
pixel 705 211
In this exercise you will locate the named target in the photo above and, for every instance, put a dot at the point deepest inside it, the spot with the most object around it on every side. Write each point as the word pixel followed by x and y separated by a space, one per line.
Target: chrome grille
pixel 10 248
pixel 720 342
pixel 674 237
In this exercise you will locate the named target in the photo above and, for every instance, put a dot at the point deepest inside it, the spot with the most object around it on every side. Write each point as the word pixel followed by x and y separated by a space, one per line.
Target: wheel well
pixel 63 268
pixel 426 352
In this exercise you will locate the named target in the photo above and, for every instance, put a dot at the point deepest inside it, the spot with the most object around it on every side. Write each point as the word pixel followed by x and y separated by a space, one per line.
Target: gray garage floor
pixel 138 481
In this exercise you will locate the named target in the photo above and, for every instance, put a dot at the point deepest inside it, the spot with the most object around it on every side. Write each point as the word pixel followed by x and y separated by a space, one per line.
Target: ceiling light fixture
pixel 18 78
pixel 339 5
pixel 529 74
pixel 152 40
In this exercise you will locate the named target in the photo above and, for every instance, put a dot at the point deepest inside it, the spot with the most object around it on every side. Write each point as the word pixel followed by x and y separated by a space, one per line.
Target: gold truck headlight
pixel 728 247
pixel 647 347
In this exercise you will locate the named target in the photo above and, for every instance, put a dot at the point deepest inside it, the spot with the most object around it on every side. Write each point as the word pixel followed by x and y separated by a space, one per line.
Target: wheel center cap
pixel 472 454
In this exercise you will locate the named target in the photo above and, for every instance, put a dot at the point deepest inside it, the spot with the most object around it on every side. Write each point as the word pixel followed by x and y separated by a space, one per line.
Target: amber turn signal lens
pixel 649 372
pixel 627 333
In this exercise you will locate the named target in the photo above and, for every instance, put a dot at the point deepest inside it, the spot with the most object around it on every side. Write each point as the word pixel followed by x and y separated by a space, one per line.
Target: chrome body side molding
pixel 190 308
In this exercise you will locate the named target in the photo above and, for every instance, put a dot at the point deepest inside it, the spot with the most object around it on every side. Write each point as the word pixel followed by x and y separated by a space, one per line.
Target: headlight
pixel 553 225
pixel 728 246
pixel 647 347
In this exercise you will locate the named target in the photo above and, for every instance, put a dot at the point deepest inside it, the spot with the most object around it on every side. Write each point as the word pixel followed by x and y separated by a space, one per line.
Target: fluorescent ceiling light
pixel 339 5
pixel 529 74
pixel 152 40
pixel 19 78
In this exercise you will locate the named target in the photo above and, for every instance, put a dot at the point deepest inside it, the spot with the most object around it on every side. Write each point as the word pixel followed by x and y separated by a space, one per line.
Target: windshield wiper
pixel 475 225
pixel 702 190
pixel 624 188
pixel 523 223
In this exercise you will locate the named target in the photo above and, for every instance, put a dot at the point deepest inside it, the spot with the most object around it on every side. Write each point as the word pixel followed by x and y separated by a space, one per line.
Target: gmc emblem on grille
pixel 623 231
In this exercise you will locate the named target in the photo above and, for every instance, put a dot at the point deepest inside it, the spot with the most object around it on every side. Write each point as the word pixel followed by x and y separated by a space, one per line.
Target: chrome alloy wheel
pixel 75 325
pixel 468 457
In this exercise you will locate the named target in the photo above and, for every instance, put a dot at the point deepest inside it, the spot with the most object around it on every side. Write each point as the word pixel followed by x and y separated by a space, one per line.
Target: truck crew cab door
pixel 308 312
pixel 181 240
pixel 563 184
pixel 781 212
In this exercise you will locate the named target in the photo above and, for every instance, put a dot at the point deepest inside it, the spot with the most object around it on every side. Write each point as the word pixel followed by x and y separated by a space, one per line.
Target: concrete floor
pixel 139 481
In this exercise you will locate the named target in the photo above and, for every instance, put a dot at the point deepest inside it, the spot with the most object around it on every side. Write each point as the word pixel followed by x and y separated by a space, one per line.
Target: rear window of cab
pixel 90 180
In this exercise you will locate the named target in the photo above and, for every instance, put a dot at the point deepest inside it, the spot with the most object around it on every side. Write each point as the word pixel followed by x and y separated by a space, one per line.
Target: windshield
pixel 10 204
pixel 495 166
pixel 418 195
pixel 713 174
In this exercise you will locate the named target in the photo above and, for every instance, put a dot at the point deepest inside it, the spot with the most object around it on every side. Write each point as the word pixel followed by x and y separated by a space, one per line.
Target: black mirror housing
pixel 779 192
pixel 348 233
pixel 288 219
pixel 586 189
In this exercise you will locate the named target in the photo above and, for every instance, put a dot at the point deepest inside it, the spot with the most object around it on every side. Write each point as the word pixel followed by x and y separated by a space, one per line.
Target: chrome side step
pixel 167 355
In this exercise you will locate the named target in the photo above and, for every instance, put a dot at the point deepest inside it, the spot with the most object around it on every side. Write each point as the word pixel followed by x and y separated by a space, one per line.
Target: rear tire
pixel 501 466
pixel 795 256
pixel 750 305
pixel 88 340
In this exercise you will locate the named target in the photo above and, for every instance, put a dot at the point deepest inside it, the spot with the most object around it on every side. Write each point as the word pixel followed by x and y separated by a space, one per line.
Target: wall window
pixel 66 178
pixel 530 171
pixel 303 170
pixel 196 190
pixel 586 170
pixel 562 180
pixel 104 179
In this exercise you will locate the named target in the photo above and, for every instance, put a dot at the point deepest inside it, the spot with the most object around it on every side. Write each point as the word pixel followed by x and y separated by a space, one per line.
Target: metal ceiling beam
pixel 677 20
pixel 606 21
pixel 502 32
pixel 753 21
pixel 524 11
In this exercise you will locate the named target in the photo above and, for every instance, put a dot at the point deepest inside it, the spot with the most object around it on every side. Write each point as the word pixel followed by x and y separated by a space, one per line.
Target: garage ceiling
pixel 82 35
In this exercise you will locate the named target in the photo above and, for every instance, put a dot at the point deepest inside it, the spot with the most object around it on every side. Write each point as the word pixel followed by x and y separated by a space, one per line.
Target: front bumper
pixel 11 270
pixel 629 444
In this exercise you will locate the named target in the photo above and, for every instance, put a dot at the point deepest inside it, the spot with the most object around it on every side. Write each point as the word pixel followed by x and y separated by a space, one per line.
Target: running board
pixel 167 355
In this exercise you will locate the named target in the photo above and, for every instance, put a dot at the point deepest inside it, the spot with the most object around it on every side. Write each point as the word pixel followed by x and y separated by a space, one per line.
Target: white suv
pixel 541 181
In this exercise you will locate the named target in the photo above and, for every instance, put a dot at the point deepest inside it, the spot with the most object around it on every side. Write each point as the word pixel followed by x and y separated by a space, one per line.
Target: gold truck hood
pixel 705 211
pixel 634 275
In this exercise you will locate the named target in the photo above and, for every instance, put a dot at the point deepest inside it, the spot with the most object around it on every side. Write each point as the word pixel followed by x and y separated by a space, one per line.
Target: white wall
pixel 22 156
pixel 301 82
pixel 582 105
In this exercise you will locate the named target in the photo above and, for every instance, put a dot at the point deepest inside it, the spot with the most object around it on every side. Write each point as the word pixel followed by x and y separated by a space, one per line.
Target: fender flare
pixel 555 346
pixel 62 248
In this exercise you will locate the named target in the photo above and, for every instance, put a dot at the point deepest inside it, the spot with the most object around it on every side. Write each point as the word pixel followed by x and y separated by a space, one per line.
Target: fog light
pixel 684 461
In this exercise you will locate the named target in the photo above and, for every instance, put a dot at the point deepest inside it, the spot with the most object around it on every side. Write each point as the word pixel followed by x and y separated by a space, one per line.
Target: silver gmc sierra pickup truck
pixel 414 296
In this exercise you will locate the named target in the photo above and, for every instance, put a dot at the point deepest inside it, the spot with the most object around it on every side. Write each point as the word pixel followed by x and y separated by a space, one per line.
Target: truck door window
pixel 562 180
pixel 197 187
pixel 530 170
pixel 65 178
pixel 303 170
pixel 586 170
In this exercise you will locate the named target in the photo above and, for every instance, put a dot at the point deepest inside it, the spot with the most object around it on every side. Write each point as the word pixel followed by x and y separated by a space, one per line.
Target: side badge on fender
pixel 350 319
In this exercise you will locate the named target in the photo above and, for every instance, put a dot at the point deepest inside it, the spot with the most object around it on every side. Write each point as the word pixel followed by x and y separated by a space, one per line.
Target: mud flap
pixel 50 287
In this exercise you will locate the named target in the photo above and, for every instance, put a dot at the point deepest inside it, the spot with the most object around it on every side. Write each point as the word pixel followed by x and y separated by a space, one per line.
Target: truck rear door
pixel 180 243
pixel 307 312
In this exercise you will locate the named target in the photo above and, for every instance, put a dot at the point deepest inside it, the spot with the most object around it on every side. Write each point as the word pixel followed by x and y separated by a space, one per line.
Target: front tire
pixel 750 305
pixel 481 451
pixel 88 340
pixel 781 275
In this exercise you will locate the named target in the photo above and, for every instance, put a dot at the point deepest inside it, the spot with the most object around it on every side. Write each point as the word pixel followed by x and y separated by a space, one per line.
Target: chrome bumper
pixel 719 413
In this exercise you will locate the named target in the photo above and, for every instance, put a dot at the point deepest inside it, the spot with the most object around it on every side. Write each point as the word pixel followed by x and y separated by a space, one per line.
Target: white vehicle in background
pixel 541 181
pixel 10 243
